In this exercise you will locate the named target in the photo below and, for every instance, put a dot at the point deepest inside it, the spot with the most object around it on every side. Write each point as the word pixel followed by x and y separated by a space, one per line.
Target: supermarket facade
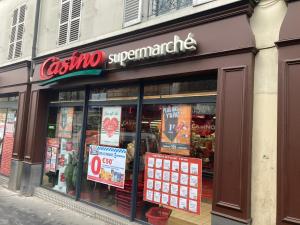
pixel 162 116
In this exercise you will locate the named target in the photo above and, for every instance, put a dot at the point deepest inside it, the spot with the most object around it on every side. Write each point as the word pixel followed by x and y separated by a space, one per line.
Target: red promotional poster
pixel 107 165
pixel 110 126
pixel 65 122
pixel 52 147
pixel 173 181
pixel 176 129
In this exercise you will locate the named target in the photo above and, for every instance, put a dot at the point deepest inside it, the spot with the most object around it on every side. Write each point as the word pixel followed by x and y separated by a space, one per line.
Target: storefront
pixel 14 97
pixel 147 120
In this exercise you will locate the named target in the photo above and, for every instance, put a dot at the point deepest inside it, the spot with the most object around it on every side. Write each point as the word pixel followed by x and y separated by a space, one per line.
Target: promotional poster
pixel 2 128
pixel 65 122
pixel 107 165
pixel 176 129
pixel 52 147
pixel 173 181
pixel 110 126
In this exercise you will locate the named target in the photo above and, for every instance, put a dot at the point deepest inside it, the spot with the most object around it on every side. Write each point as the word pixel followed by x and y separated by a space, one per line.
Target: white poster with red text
pixel 107 165
pixel 110 126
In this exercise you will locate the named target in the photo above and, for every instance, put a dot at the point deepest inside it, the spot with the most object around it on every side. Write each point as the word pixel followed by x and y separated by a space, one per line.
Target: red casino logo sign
pixel 78 64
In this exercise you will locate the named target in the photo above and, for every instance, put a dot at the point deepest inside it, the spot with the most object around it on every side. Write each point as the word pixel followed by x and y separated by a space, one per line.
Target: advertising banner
pixel 52 148
pixel 2 128
pixel 65 122
pixel 107 165
pixel 10 123
pixel 110 126
pixel 176 129
pixel 173 181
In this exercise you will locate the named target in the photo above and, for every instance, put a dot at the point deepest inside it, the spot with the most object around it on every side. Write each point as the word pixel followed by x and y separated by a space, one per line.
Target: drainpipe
pixel 35 34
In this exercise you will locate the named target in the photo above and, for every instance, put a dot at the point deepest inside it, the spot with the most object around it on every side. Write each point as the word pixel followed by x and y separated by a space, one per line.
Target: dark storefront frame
pixel 139 102
pixel 288 167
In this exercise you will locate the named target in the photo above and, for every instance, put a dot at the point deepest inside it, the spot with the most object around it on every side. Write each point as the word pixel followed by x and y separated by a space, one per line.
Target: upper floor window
pixel 134 9
pixel 69 23
pixel 159 7
pixel 16 33
pixel 132 12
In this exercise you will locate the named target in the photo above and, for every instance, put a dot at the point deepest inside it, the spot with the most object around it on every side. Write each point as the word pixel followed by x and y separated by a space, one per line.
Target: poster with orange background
pixel 176 129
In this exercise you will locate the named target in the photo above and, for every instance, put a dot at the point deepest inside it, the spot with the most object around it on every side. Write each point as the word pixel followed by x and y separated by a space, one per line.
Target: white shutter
pixel 69 24
pixel 200 2
pixel 132 12
pixel 64 22
pixel 11 47
pixel 17 33
pixel 75 20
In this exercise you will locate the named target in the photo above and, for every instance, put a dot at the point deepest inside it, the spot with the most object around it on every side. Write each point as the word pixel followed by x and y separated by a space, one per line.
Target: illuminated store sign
pixel 91 64
pixel 87 64
pixel 175 46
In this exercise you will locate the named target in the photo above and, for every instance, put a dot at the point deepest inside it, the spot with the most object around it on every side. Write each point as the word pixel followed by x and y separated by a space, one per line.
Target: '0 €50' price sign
pixel 107 165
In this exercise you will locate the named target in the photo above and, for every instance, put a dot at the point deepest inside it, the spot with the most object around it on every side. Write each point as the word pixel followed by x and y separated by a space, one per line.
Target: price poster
pixel 52 147
pixel 65 122
pixel 107 165
pixel 176 129
pixel 10 123
pixel 2 128
pixel 110 126
pixel 173 181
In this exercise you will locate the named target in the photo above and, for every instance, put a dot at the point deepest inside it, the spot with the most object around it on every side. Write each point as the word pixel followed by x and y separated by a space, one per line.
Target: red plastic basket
pixel 158 216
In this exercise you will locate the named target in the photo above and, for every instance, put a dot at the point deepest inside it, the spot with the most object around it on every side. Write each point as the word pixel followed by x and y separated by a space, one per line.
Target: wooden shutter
pixel 69 21
pixel 20 32
pixel 64 22
pixel 75 20
pixel 132 12
pixel 17 33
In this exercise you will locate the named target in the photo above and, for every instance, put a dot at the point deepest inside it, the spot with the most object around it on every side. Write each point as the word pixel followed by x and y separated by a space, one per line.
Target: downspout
pixel 35 34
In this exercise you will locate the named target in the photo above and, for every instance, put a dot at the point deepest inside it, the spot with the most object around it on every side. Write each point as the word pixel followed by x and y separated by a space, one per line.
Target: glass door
pixel 64 128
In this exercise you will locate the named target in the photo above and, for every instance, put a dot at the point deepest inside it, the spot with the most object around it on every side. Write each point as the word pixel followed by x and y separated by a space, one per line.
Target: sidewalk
pixel 19 210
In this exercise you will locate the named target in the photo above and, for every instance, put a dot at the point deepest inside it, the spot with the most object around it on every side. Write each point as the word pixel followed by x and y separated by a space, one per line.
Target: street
pixel 19 210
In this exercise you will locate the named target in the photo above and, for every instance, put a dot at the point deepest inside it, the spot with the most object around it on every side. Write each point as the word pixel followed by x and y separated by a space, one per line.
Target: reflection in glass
pixel 113 94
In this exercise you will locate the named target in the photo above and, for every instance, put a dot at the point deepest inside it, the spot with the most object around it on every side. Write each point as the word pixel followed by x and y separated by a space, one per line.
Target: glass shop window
pixel 62 148
pixel 109 149
pixel 177 151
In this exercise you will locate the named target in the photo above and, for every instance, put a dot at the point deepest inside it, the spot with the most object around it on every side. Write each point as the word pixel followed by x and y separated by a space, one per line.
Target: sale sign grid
pixel 173 181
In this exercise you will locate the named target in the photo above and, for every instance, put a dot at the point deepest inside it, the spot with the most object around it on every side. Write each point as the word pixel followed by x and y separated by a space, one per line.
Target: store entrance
pixel 178 127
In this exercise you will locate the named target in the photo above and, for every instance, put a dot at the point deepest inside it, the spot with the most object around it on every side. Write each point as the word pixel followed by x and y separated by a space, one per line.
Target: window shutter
pixel 17 33
pixel 69 25
pixel 75 20
pixel 13 34
pixel 132 12
pixel 200 2
pixel 64 22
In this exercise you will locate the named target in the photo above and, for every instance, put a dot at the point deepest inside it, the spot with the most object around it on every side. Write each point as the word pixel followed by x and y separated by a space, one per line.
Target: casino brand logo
pixel 87 64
